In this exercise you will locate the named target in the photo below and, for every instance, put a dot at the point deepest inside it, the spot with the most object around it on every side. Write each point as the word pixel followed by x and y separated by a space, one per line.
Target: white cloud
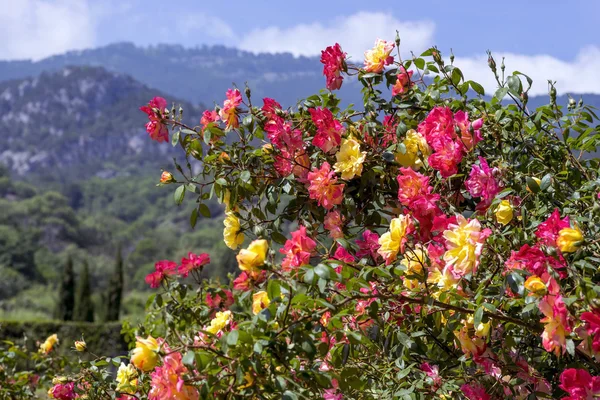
pixel 201 23
pixel 579 75
pixel 355 33
pixel 40 28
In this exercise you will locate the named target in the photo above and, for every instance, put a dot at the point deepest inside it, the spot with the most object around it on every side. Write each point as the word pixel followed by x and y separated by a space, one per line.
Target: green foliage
pixel 84 307
pixel 66 300
pixel 115 290
pixel 34 241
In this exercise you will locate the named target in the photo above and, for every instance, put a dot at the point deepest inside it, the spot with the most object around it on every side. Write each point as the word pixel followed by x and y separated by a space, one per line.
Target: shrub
pixel 427 245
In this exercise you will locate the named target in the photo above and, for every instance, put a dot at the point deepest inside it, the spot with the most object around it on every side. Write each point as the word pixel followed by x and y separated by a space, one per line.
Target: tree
pixel 84 306
pixel 115 290
pixel 66 300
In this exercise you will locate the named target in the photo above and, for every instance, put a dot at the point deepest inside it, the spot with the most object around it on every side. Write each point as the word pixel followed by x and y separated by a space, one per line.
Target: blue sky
pixel 552 39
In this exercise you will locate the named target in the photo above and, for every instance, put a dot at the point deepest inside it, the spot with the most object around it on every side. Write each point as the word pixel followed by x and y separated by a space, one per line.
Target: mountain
pixel 79 122
pixel 203 74
pixel 198 74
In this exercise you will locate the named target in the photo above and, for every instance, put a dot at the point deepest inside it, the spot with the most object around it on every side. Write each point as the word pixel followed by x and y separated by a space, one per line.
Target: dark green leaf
pixel 204 210
pixel 477 88
pixel 194 218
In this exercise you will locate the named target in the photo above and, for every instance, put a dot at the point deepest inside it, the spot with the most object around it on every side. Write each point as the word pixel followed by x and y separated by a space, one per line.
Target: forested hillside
pixel 39 229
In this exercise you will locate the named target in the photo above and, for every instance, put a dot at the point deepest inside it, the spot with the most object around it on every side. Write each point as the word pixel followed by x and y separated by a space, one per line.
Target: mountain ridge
pixel 79 122
pixel 203 74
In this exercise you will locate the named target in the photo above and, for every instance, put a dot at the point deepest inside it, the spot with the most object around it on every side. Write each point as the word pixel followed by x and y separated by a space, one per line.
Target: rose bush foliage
pixel 431 243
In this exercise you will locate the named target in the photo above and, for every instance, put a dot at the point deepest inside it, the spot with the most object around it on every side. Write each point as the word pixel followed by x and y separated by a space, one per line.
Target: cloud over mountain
pixel 37 29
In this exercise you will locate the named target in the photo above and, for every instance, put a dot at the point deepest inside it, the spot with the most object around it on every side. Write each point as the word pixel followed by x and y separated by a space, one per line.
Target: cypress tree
pixel 115 290
pixel 84 307
pixel 66 301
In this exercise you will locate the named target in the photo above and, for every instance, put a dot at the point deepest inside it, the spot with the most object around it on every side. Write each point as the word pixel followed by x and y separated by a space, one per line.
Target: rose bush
pixel 432 243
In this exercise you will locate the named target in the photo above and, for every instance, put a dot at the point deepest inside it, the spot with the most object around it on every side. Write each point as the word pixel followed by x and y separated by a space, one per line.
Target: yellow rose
pixel 535 285
pixel 126 379
pixel 472 343
pixel 80 345
pixel 220 321
pixel 464 241
pixel 391 242
pixel 260 301
pixel 379 56
pixel 569 239
pixel 504 212
pixel 253 257
pixel 231 233
pixel 349 159
pixel 49 344
pixel 443 280
pixel 414 143
pixel 145 354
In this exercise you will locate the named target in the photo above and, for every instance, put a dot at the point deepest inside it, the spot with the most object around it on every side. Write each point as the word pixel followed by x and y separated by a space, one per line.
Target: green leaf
pixel 546 181
pixel 323 271
pixel 189 131
pixel 500 93
pixel 477 88
pixel 204 210
pixel 245 176
pixel 175 138
pixel 369 75
pixel 274 289
pixel 207 136
pixel 514 84
pixel 309 276
pixel 490 307
pixel 203 359
pixel 179 194
pixel 529 80
pixel 188 359
pixel 477 317
pixel 456 76
pixel 533 185
pixel 287 395
pixel 278 237
pixel 232 337
pixel 345 353
pixel 401 128
pixel 194 218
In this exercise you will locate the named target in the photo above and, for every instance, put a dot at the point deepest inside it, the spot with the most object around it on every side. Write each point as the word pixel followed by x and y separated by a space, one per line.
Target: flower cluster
pixel 451 136
pixel 401 248
pixel 156 127
pixel 229 112
pixel 333 59
pixel 165 268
